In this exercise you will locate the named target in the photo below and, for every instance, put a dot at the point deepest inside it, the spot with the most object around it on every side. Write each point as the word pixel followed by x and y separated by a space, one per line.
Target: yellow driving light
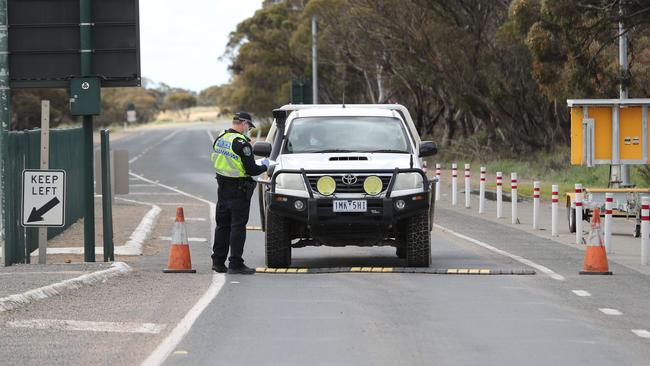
pixel 326 185
pixel 373 185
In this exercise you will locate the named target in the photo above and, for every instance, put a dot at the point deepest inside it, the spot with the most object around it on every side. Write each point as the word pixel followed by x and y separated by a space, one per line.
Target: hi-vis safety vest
pixel 226 161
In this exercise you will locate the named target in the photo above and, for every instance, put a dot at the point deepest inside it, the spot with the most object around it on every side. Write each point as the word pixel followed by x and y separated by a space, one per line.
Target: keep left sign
pixel 43 198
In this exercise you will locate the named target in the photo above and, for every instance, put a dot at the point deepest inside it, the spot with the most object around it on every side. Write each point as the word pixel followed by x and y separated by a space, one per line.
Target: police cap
pixel 244 116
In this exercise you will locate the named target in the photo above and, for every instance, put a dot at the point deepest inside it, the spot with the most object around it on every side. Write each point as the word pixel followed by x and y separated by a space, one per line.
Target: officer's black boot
pixel 219 267
pixel 241 269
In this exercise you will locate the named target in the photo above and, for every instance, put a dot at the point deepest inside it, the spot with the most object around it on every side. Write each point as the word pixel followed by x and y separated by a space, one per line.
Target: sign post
pixel 45 163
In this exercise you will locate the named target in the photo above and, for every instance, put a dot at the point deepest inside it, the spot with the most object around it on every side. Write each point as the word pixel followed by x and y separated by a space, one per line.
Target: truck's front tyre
pixel 278 241
pixel 418 241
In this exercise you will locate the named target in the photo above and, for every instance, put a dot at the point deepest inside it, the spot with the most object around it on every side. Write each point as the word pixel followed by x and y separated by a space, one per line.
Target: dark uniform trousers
pixel 233 206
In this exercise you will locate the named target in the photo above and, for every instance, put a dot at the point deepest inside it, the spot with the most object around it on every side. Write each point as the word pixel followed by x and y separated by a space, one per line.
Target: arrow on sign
pixel 37 215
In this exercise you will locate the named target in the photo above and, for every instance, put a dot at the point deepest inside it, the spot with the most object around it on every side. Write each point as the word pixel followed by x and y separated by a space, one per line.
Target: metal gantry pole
pixel 454 184
pixel 468 186
pixel 314 58
pixel 623 90
pixel 499 195
pixel 5 103
pixel 578 205
pixel 513 194
pixel 85 25
pixel 554 204
pixel 609 203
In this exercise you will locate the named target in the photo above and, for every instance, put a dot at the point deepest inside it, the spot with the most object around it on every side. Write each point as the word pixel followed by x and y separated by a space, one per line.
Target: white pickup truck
pixel 346 175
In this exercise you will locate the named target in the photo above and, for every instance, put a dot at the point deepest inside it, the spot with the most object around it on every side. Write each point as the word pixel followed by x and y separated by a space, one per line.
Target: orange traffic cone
pixel 595 255
pixel 179 252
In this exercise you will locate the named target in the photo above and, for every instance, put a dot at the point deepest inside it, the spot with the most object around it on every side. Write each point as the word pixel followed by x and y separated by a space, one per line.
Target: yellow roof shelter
pixel 609 131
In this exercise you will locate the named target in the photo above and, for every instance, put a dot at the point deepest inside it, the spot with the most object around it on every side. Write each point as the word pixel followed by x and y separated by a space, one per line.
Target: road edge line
pixel 164 349
pixel 547 271
pixel 15 301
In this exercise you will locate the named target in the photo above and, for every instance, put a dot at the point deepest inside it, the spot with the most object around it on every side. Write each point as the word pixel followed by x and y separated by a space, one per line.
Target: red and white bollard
pixel 499 195
pixel 609 203
pixel 454 184
pixel 438 168
pixel 513 186
pixel 645 230
pixel 536 193
pixel 578 204
pixel 554 204
pixel 481 200
pixel 468 186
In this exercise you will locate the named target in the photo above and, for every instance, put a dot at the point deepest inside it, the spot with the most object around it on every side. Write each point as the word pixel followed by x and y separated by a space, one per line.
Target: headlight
pixel 293 182
pixel 373 185
pixel 326 185
pixel 406 181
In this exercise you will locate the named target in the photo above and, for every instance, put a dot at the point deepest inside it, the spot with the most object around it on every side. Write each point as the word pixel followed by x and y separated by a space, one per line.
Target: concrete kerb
pixel 15 301
pixel 133 246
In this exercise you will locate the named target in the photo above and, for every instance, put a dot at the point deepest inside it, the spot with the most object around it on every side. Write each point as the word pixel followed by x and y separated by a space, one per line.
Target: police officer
pixel 235 165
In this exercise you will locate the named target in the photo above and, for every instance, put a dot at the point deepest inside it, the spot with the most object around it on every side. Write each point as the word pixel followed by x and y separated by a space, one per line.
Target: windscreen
pixel 347 134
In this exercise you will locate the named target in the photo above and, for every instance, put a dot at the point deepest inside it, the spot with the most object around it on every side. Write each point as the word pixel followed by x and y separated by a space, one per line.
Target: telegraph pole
pixel 314 58
pixel 5 103
pixel 623 91
pixel 85 25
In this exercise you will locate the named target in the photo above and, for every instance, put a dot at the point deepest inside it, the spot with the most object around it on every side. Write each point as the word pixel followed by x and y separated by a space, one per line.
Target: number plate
pixel 350 206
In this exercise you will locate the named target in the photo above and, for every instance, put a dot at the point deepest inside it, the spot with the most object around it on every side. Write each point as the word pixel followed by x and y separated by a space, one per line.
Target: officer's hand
pixel 265 162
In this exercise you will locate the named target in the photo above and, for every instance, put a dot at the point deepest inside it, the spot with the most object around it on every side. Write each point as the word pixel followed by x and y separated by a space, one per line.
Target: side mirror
pixel 428 148
pixel 262 148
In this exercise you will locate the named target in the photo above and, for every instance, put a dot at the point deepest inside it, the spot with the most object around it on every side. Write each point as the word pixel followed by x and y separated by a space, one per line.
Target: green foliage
pixel 116 100
pixel 26 108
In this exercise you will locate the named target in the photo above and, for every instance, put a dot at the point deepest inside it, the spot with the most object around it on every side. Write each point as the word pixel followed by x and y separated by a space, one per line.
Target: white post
pixel 578 205
pixel 645 231
pixel 609 203
pixel 536 192
pixel 438 168
pixel 454 184
pixel 554 204
pixel 425 169
pixel 481 201
pixel 513 182
pixel 45 163
pixel 468 186
pixel 499 195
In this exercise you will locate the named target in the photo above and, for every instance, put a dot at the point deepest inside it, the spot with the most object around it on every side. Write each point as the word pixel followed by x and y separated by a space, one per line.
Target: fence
pixel 66 150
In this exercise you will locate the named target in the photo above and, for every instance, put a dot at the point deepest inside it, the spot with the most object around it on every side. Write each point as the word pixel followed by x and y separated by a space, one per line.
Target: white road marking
pixel 174 338
pixel 18 300
pixel 140 185
pixel 87 326
pixel 519 259
pixel 641 333
pixel 608 311
pixel 581 293
pixel 154 194
pixel 180 353
pixel 145 151
pixel 132 247
pixel 196 240
pixel 170 343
